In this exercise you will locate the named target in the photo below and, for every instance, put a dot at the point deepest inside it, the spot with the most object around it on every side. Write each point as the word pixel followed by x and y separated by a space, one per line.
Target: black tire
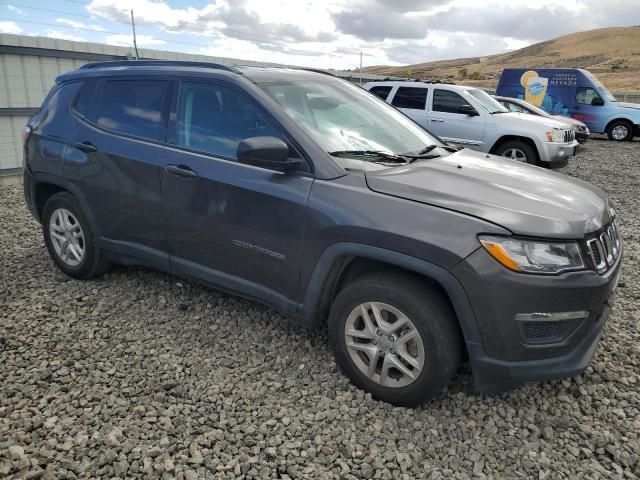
pixel 433 318
pixel 620 125
pixel 529 152
pixel 93 262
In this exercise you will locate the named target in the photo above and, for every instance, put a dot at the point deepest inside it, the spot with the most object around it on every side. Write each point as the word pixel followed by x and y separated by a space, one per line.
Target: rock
pixel 16 452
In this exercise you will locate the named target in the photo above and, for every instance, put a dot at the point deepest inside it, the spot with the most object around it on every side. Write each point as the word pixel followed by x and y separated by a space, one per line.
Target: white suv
pixel 469 117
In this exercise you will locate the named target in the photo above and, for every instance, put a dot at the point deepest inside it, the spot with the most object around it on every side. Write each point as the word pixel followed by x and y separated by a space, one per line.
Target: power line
pixel 142 25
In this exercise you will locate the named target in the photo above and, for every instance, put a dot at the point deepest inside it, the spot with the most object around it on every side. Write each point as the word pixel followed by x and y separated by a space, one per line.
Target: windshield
pixel 603 90
pixel 344 118
pixel 489 103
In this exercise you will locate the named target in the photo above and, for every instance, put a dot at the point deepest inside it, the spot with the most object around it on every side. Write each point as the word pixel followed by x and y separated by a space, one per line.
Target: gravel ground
pixel 139 374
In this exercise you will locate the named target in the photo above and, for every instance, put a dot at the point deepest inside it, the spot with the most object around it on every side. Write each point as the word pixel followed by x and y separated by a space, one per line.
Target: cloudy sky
pixel 320 33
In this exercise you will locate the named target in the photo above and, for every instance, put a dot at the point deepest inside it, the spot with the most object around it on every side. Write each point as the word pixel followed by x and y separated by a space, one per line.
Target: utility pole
pixel 135 43
pixel 360 70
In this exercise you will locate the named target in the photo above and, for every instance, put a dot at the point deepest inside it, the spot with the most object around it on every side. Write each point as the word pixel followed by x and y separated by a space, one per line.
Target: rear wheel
pixel 69 238
pixel 395 337
pixel 620 131
pixel 519 151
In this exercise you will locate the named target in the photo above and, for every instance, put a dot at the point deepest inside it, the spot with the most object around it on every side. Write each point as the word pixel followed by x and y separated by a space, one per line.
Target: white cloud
pixel 14 9
pixel 80 25
pixel 10 27
pixel 125 40
pixel 331 33
pixel 64 36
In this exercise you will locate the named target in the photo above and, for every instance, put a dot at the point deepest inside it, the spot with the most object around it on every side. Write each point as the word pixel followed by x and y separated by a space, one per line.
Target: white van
pixel 469 117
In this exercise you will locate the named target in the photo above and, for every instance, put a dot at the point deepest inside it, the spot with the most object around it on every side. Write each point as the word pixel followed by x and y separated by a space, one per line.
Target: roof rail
pixel 315 70
pixel 151 63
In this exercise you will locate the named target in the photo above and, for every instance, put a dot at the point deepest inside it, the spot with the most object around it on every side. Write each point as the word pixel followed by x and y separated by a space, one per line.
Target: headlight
pixel 557 136
pixel 533 256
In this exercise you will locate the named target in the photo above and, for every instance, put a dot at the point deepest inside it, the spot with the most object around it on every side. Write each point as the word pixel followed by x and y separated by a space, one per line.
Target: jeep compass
pixel 310 194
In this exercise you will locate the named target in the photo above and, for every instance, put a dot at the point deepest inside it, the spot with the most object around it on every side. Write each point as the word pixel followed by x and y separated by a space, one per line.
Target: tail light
pixel 26 133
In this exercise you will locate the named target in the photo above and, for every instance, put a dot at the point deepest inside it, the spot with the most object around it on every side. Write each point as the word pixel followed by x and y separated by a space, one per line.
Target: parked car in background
pixel 573 92
pixel 520 106
pixel 305 192
pixel 470 117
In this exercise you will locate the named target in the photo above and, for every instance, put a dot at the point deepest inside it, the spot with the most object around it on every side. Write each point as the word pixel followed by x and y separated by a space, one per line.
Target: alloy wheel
pixel 515 154
pixel 384 344
pixel 67 237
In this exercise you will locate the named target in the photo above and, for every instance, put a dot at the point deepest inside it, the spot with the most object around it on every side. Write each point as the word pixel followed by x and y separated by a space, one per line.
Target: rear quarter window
pixel 381 91
pixel 133 107
pixel 85 102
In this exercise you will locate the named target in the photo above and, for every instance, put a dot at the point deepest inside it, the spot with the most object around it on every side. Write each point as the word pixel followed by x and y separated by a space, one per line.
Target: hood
pixel 524 199
pixel 569 120
pixel 634 106
pixel 527 118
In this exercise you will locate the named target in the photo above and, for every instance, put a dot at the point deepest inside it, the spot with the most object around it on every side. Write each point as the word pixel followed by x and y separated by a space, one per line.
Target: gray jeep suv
pixel 307 193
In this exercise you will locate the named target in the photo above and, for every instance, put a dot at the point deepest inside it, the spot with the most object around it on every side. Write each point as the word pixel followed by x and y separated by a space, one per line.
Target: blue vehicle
pixel 576 93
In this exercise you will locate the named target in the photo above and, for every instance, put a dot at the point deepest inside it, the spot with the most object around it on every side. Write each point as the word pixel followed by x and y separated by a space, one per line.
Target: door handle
pixel 439 120
pixel 181 171
pixel 85 146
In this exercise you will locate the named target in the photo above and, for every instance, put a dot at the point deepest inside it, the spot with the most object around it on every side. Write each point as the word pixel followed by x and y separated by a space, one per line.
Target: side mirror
pixel 266 152
pixel 467 110
pixel 597 101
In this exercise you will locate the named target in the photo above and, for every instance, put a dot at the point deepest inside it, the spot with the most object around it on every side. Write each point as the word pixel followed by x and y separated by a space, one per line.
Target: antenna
pixel 135 43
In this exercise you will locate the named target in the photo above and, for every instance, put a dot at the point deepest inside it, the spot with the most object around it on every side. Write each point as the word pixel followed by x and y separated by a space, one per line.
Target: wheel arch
pixel 343 262
pixel 619 119
pixel 43 186
pixel 509 138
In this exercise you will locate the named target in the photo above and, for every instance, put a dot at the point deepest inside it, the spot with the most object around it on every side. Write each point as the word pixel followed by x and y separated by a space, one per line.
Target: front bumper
pixel 506 358
pixel 582 137
pixel 558 154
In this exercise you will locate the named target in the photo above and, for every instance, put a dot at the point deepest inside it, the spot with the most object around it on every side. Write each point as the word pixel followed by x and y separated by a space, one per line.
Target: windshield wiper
pixel 388 156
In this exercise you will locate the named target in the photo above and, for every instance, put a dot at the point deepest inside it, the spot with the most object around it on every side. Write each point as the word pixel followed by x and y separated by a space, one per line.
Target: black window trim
pixel 172 128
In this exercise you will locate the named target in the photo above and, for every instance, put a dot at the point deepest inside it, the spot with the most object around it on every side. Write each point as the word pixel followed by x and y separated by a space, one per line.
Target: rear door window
pixel 215 119
pixel 410 97
pixel 133 107
pixel 447 101
pixel 381 91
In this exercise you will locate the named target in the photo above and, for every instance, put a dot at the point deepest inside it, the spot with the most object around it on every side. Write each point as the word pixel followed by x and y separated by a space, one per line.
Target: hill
pixel 612 54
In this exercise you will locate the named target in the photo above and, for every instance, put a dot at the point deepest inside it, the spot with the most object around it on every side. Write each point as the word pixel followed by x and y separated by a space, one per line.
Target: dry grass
pixel 612 54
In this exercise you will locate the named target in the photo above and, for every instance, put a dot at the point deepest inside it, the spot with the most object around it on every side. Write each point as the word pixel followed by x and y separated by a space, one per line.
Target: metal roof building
pixel 29 65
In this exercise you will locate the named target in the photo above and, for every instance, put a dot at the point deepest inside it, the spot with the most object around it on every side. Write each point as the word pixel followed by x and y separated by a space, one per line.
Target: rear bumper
pixel 27 182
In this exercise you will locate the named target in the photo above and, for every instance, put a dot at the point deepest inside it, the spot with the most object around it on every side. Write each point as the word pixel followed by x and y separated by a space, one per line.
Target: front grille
pixel 569 135
pixel 604 249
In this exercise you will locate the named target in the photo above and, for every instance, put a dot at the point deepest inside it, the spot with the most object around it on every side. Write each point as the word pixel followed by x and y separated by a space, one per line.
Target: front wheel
pixel 620 131
pixel 519 151
pixel 395 337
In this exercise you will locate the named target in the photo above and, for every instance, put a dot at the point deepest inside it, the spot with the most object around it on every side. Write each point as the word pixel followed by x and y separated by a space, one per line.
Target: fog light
pixel 561 153
pixel 551 316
